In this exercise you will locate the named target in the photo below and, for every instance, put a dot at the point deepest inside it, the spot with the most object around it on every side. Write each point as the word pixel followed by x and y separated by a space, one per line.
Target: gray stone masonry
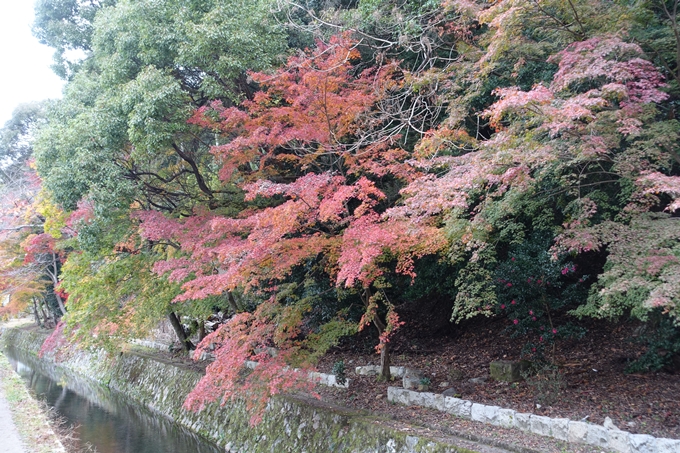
pixel 484 414
pixel 523 421
pixel 412 378
pixel 374 370
pixel 328 379
pixel 508 371
pixel 578 432
pixel 607 437
pixel 667 445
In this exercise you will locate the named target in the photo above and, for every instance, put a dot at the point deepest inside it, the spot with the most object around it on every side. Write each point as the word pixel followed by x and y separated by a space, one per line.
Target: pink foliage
pixel 576 239
pixel 38 245
pixel 363 242
pixel 656 183
pixel 630 81
pixel 55 342
pixel 513 99
pixel 617 80
pixel 657 260
pixel 312 102
pixel 368 238
pixel 83 214
pixel 247 337
pixel 612 59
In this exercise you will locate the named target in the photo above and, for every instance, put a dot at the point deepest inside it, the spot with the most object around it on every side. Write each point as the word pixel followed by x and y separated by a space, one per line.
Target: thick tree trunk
pixel 385 362
pixel 186 343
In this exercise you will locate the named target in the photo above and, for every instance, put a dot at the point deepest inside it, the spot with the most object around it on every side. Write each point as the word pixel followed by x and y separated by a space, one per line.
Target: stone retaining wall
pixel 289 424
pixel 607 437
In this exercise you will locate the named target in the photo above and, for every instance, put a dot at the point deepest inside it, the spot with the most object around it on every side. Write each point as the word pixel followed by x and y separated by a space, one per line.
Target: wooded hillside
pixel 307 168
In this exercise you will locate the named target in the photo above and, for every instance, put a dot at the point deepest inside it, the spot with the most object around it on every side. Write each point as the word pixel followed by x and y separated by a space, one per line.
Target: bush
pixel 531 288
pixel 662 338
pixel 339 372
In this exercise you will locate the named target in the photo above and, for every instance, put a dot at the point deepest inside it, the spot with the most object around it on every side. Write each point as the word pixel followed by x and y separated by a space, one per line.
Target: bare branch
pixel 21 227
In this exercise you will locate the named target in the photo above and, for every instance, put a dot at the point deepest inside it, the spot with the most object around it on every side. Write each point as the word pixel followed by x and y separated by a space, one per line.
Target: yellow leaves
pixel 55 218
pixel 444 141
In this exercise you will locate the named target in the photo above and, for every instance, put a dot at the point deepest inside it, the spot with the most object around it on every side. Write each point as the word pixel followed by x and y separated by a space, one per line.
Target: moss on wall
pixel 290 424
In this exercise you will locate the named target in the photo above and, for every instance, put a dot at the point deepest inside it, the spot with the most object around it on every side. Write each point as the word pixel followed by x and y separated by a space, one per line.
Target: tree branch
pixel 199 178
pixel 21 227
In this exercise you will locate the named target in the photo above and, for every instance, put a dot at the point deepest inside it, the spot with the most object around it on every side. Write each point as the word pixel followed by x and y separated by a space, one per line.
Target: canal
pixel 102 418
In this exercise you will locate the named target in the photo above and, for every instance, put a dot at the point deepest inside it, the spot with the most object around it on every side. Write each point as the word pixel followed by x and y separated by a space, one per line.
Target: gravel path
pixel 9 437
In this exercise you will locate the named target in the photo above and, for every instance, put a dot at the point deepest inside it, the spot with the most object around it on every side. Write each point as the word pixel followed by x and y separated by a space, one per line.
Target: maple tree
pixel 578 140
pixel 310 126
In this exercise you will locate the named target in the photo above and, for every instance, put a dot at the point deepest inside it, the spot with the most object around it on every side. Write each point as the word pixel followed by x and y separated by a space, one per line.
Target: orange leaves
pixel 310 111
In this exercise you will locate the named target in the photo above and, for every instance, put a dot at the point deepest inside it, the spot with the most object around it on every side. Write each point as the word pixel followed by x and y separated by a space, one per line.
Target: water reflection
pixel 105 419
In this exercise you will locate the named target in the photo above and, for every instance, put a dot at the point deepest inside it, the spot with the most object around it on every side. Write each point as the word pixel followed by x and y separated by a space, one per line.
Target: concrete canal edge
pixel 290 424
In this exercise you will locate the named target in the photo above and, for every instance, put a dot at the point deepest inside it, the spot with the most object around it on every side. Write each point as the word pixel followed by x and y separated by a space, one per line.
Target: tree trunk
pixel 54 274
pixel 38 320
pixel 60 301
pixel 385 362
pixel 50 312
pixel 201 330
pixel 186 343
pixel 385 351
pixel 45 310
pixel 232 302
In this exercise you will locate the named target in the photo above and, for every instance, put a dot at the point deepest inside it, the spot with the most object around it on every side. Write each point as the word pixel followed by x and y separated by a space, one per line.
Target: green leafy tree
pixel 67 26
pixel 120 140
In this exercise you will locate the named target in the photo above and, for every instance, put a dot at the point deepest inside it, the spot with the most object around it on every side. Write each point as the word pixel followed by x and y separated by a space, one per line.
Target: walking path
pixel 9 437
pixel 23 423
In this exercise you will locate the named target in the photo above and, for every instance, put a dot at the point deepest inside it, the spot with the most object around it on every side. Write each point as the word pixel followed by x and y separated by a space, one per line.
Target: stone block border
pixel 607 437
pixel 320 378
pixel 374 370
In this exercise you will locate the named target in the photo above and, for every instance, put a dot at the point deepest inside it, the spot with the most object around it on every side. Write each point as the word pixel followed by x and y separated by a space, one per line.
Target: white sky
pixel 25 73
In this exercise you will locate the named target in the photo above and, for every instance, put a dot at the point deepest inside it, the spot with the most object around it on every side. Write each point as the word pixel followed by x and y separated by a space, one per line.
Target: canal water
pixel 104 419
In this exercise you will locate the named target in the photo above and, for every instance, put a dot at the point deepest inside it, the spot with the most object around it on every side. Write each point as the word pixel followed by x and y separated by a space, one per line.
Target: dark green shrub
pixel 532 287
pixel 662 338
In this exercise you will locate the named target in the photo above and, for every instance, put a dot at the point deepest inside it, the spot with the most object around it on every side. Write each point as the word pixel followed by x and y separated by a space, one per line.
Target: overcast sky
pixel 25 73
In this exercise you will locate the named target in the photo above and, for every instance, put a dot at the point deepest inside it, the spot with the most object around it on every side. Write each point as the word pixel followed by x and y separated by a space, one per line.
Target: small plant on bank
pixel 424 384
pixel 340 372
pixel 547 381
